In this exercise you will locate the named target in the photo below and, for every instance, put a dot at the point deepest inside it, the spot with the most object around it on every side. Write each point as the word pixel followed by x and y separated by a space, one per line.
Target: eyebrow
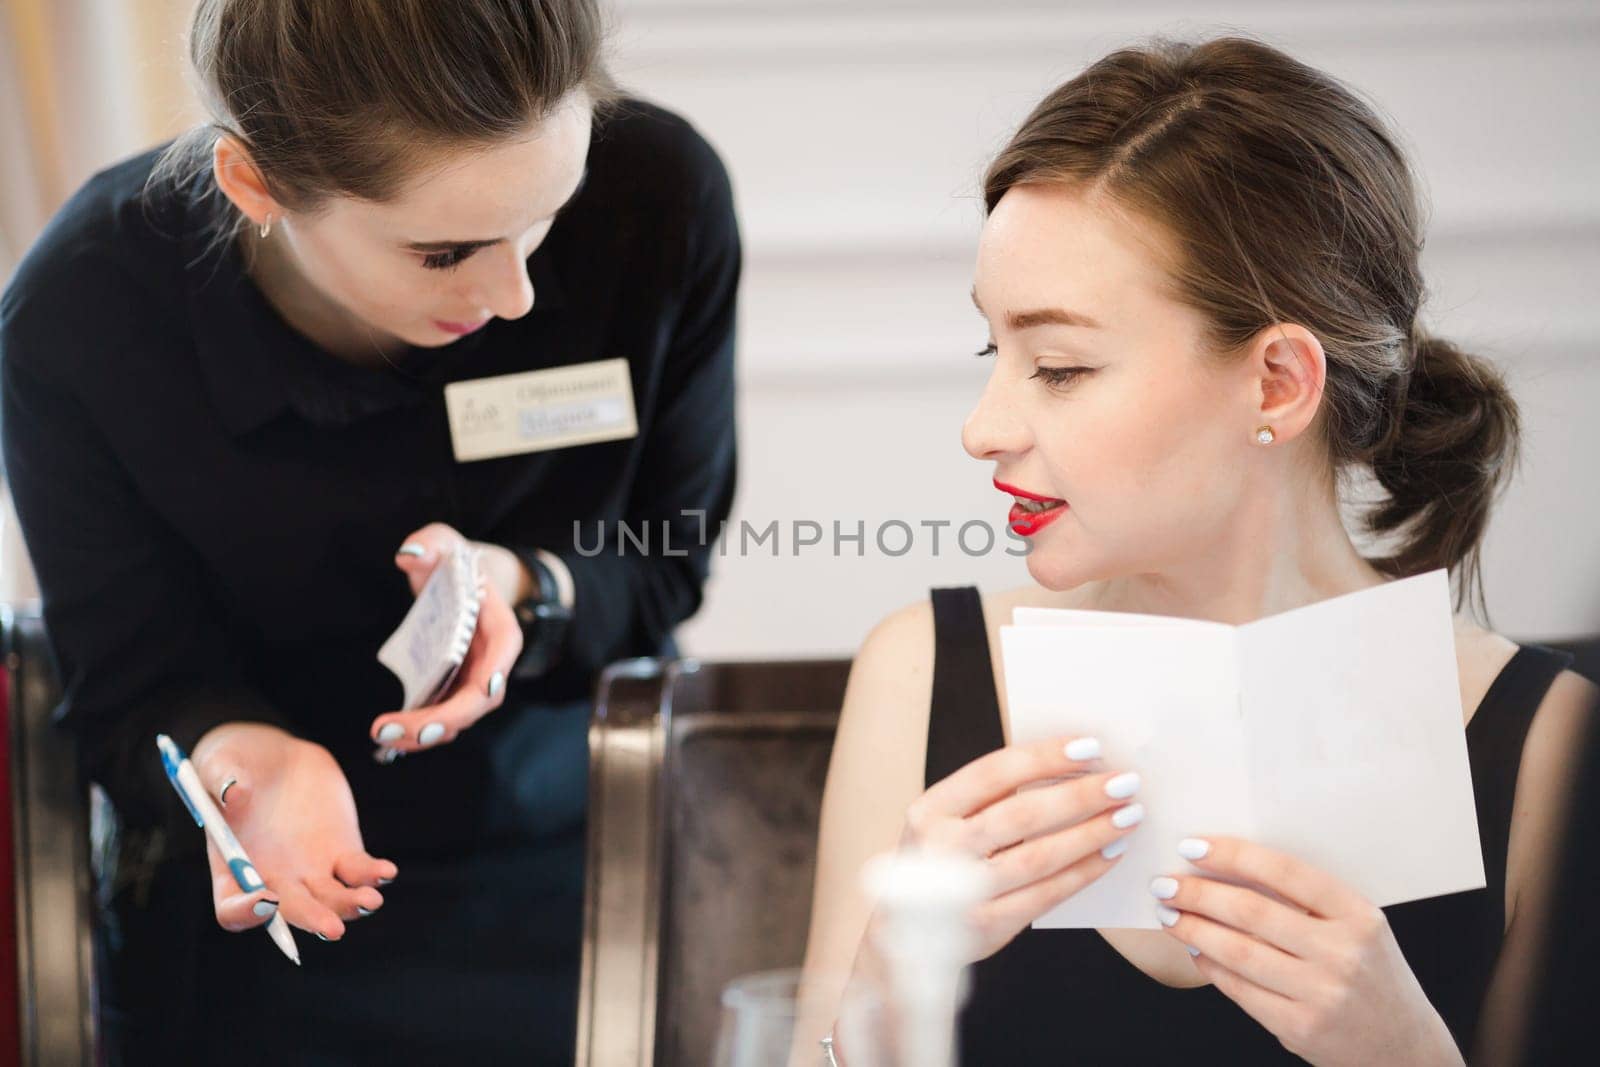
pixel 1027 320
pixel 473 244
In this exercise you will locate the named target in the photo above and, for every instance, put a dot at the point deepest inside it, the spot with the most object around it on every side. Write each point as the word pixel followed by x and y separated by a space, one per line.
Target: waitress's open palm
pixel 291 808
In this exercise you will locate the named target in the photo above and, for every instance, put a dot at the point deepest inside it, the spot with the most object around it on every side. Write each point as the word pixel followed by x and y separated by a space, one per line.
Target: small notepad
pixel 1332 732
pixel 432 641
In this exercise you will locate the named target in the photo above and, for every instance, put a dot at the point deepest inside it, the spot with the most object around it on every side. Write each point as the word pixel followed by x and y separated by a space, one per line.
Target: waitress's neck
pixel 1283 549
pixel 307 310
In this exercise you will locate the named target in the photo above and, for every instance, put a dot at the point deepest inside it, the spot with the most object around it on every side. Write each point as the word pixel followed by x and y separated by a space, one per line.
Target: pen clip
pixel 171 760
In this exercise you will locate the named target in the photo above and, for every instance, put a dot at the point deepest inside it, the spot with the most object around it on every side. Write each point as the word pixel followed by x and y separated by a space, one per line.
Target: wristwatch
pixel 544 619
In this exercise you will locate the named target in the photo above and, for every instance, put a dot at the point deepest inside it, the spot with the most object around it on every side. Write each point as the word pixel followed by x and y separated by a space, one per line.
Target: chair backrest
pixel 50 857
pixel 705 790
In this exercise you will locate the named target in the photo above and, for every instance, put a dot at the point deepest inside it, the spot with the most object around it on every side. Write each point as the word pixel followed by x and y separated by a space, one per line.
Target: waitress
pixel 424 280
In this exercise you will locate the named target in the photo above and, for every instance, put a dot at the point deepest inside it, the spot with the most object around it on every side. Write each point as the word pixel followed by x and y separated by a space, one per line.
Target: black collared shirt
pixel 212 503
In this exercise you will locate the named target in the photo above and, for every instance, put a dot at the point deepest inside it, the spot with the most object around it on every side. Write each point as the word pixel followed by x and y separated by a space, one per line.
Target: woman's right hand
pixel 1044 838
pixel 291 809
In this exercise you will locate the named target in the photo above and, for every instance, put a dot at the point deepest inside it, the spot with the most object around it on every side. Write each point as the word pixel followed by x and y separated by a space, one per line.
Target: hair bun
pixel 1452 446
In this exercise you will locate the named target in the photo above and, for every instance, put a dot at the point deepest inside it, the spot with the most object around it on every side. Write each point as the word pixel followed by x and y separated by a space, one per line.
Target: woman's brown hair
pixel 1288 201
pixel 347 97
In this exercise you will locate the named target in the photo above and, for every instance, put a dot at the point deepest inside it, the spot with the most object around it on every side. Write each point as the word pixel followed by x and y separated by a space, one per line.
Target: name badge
pixel 539 410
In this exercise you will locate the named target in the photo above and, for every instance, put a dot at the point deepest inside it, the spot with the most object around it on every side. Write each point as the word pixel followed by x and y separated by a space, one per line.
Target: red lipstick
pixel 1026 521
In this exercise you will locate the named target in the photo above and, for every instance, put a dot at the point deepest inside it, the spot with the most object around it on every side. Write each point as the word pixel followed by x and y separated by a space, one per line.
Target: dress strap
pixel 964 717
pixel 1495 735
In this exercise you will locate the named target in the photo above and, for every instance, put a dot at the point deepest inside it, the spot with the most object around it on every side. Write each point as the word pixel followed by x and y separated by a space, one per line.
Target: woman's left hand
pixel 1319 968
pixel 480 687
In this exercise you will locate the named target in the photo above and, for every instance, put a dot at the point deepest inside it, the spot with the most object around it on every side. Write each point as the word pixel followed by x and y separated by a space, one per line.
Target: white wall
pixel 856 131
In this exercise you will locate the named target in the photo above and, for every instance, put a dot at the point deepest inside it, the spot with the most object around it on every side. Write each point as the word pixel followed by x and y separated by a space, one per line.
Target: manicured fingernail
pixel 264 908
pixel 1164 888
pixel 222 794
pixel 415 551
pixel 1192 950
pixel 1166 915
pixel 1131 815
pixel 430 733
pixel 1084 748
pixel 392 731
pixel 497 682
pixel 363 912
pixel 321 936
pixel 1123 785
pixel 385 881
pixel 1192 848
pixel 1115 849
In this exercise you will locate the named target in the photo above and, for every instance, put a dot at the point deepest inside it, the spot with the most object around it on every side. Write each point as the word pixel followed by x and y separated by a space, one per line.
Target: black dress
pixel 1102 1009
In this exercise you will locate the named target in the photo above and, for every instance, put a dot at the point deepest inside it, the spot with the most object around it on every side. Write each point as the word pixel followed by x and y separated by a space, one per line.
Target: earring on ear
pixel 1265 436
pixel 266 225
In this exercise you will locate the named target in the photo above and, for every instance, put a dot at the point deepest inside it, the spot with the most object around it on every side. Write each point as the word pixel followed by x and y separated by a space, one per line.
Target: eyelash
pixel 446 260
pixel 1048 375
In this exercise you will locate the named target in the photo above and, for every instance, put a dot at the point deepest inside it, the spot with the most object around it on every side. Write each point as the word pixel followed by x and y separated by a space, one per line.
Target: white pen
pixel 184 778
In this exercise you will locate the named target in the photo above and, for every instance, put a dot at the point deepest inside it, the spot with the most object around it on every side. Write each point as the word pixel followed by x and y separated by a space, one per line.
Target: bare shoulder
pixel 891 680
pixel 1481 654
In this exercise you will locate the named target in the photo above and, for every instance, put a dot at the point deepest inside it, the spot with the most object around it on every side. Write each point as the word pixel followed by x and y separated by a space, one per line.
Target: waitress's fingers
pixel 301 908
pixel 236 909
pixel 360 868
pixel 480 689
pixel 495 647
pixel 347 903
pixel 421 551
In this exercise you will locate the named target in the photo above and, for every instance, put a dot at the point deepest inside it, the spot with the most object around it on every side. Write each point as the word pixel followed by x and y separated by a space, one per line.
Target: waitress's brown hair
pixel 346 97
pixel 1287 200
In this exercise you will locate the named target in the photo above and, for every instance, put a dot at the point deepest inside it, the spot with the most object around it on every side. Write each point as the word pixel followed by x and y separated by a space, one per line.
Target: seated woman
pixel 1200 275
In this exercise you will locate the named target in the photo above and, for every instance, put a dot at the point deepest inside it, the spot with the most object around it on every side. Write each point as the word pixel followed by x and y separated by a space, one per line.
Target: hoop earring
pixel 1265 436
pixel 266 225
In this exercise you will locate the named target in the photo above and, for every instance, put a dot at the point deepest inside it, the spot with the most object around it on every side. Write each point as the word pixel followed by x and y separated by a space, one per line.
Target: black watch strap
pixel 544 621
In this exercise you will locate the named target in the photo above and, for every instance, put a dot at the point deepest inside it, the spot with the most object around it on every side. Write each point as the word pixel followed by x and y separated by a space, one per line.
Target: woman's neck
pixel 307 310
pixel 1282 551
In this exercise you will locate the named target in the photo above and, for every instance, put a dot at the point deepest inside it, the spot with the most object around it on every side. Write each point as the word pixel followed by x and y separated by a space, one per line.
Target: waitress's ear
pixel 241 181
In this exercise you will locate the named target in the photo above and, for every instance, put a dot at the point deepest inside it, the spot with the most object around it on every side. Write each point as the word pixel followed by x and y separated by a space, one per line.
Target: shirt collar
pixel 257 367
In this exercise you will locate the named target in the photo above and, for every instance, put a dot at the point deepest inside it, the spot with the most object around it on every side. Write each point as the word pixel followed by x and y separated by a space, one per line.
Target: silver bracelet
pixel 830 1060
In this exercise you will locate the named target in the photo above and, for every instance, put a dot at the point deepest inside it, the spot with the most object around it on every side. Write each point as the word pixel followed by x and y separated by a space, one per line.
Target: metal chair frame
pixel 54 884
pixel 631 740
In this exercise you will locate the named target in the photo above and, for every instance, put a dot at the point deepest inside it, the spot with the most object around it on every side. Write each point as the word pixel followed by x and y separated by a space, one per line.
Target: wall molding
pixel 759 34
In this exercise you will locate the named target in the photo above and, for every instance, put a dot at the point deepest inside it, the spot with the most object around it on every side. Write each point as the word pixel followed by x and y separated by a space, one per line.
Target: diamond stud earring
pixel 1265 436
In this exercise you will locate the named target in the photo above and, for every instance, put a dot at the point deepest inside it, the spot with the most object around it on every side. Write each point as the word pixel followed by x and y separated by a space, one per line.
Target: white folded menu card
pixel 1332 732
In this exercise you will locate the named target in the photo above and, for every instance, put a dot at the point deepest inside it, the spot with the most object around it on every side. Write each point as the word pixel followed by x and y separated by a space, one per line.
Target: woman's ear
pixel 241 182
pixel 1290 370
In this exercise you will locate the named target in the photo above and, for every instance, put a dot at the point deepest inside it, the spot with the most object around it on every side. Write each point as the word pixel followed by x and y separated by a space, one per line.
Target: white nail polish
pixel 1164 888
pixel 1192 950
pixel 1084 748
pixel 1123 785
pixel 1167 916
pixel 1131 815
pixel 263 908
pixel 363 912
pixel 1192 848
pixel 430 733
pixel 497 681
pixel 1115 849
pixel 415 551
pixel 392 731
